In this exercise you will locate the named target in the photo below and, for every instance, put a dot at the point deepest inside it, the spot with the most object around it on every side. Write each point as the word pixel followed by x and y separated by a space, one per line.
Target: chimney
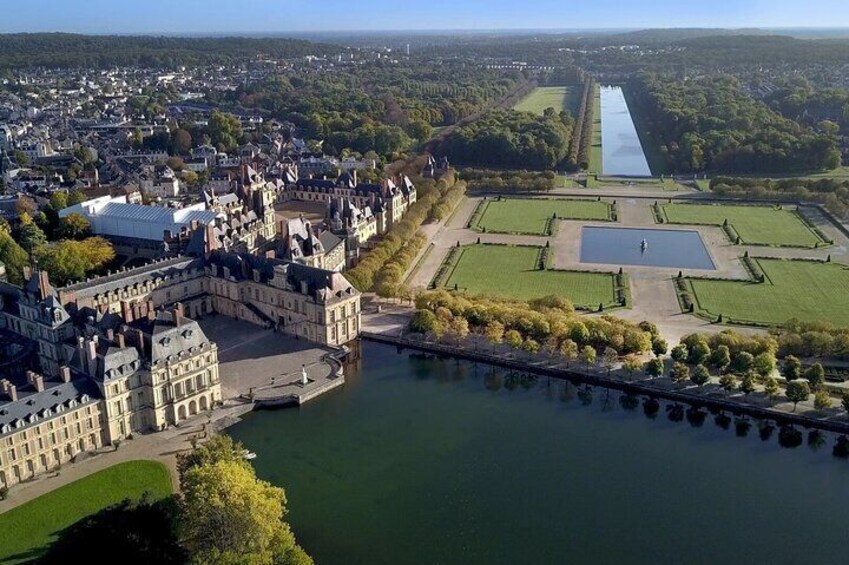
pixel 139 342
pixel 210 244
pixel 126 312
pixel 120 340
pixel 91 356
pixel 65 374
pixel 36 380
pixel 179 314
pixel 354 176
pixel 44 288
pixel 110 334
pixel 9 389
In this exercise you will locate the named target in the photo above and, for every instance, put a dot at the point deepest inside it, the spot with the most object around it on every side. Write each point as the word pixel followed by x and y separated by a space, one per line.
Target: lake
pixel 681 249
pixel 425 461
pixel 622 153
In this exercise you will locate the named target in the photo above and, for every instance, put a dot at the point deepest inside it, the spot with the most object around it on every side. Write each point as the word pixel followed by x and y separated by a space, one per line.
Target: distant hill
pixel 668 35
pixel 22 50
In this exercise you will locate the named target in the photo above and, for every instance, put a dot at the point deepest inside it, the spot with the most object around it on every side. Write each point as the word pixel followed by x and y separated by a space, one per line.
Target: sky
pixel 245 16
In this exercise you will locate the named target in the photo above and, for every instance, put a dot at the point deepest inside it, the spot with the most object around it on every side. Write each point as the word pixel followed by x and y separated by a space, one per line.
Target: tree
pixel 822 400
pixel 59 200
pixel 700 375
pixel 798 391
pixel 181 141
pixel 175 163
pixel 69 260
pixel 14 257
pixel 654 367
pixel 30 236
pixel 728 382
pixel 20 158
pixel 513 339
pixel 494 332
pixel 747 383
pixel 631 364
pixel 608 358
pixel 771 388
pixel 721 358
pixel 679 353
pixel 229 516
pixel 844 401
pixel 569 350
pixel 659 346
pixel 140 532
pixel 764 363
pixel 680 372
pixel 792 368
pixel 699 353
pixel 218 448
pixel 224 130
pixel 76 197
pixel 742 361
pixel 588 355
pixel 424 322
pixel 815 375
pixel 74 226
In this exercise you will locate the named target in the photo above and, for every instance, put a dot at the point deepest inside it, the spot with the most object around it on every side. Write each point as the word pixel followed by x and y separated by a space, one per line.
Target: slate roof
pixel 44 404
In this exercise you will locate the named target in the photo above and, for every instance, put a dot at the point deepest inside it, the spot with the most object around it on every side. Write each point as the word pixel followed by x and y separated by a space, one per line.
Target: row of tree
pixel 549 322
pixel 582 134
pixel 509 180
pixel 833 193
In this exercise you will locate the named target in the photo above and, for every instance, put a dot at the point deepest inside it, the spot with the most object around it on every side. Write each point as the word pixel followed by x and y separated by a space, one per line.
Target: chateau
pixel 92 363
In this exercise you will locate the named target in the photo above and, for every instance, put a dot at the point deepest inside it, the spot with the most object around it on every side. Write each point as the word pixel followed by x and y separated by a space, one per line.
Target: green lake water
pixel 427 461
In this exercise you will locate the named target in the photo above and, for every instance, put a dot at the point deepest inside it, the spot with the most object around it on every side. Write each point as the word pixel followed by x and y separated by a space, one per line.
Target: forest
pixel 505 138
pixel 710 124
pixel 381 107
pixel 27 50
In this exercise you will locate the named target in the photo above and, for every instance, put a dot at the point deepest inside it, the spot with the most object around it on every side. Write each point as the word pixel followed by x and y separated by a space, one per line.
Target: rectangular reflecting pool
pixel 681 249
pixel 622 152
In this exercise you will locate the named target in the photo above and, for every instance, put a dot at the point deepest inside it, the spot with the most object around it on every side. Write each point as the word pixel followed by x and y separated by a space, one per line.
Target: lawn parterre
pixel 755 224
pixel 557 97
pixel 27 530
pixel 513 271
pixel 807 290
pixel 534 216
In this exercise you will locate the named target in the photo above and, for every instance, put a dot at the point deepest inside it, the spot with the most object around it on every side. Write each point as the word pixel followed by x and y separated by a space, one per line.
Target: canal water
pixel 427 461
pixel 622 153
pixel 681 249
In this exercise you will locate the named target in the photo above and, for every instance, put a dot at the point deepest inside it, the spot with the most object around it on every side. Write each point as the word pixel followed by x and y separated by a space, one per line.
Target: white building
pixel 113 216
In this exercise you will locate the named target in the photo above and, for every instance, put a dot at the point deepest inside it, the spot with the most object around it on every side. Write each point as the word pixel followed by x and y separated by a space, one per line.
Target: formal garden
pixel 778 226
pixel 536 216
pixel 27 530
pixel 522 272
pixel 779 290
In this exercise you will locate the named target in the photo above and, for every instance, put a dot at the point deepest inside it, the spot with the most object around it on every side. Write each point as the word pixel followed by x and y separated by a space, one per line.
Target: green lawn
pixel 557 97
pixel 805 290
pixel 756 225
pixel 532 216
pixel 512 271
pixel 27 530
pixel 595 165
